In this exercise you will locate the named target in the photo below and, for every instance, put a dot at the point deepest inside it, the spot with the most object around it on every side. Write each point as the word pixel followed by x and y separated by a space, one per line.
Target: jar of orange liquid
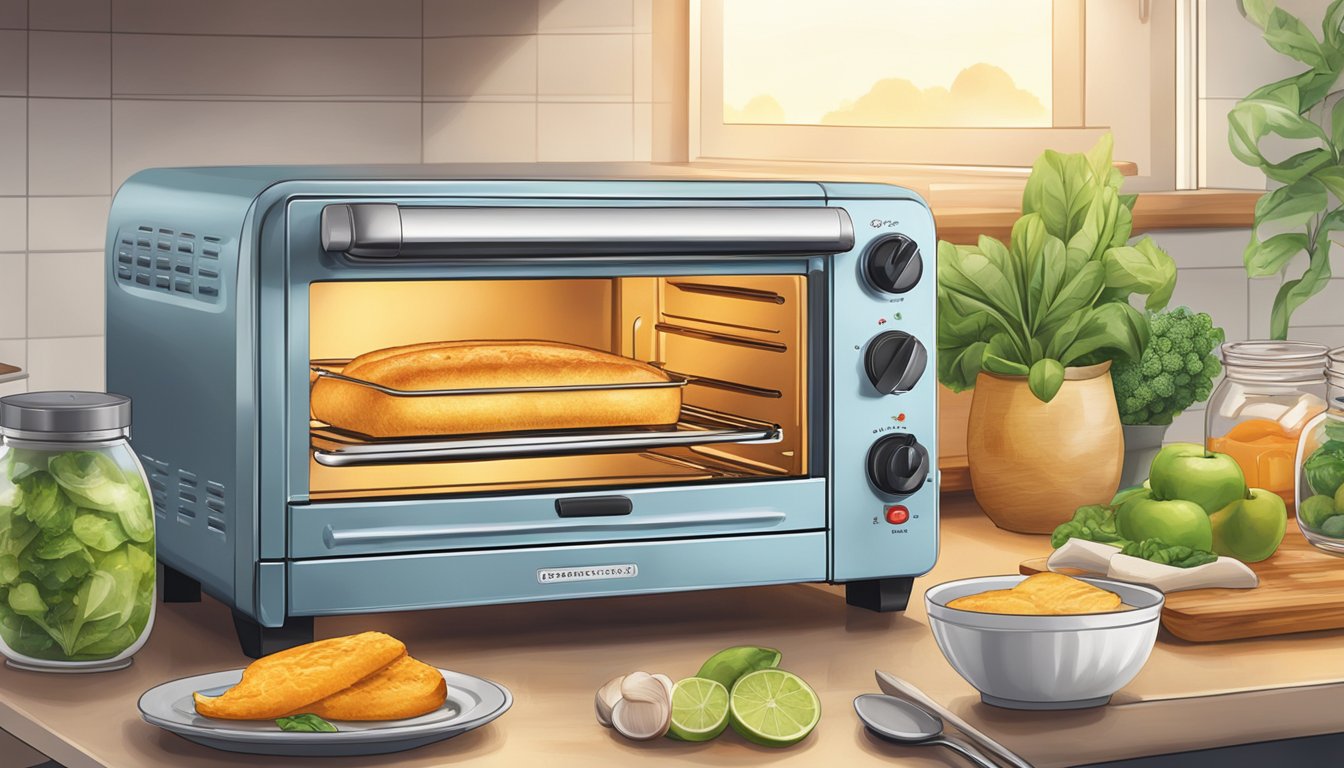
pixel 1269 393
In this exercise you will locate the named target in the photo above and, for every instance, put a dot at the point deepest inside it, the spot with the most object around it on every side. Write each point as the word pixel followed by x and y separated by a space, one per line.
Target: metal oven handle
pixel 335 537
pixel 387 230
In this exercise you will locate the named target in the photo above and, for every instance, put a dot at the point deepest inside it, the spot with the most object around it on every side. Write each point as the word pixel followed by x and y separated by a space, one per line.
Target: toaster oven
pixel 795 319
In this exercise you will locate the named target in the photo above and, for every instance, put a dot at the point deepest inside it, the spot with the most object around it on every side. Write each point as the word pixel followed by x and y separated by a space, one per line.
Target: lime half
pixel 699 709
pixel 773 708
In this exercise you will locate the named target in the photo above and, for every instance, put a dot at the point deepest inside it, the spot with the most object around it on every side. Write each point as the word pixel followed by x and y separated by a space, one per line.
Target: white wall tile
pixel 1260 292
pixel 481 67
pixel 467 132
pixel 13 297
pixel 1218 167
pixel 585 67
pixel 13 62
pixel 13 146
pixel 70 152
pixel 1331 336
pixel 70 363
pixel 1325 308
pixel 294 67
pixel 232 133
pixel 1234 57
pixel 1222 293
pixel 460 18
pixel 333 18
pixel 7 389
pixel 586 16
pixel 14 352
pixel 585 132
pixel 67 223
pixel 65 294
pixel 13 223
pixel 84 15
pixel 69 64
pixel 13 14
pixel 1203 247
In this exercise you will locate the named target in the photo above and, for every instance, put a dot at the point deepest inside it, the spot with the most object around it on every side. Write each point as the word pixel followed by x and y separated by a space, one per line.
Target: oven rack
pixel 333 447
pixel 323 369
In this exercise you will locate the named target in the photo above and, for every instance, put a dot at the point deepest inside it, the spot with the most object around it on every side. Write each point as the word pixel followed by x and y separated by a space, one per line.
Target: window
pixel 952 82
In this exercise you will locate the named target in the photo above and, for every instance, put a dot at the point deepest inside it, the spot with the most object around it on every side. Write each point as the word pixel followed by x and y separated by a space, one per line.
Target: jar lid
pixel 65 415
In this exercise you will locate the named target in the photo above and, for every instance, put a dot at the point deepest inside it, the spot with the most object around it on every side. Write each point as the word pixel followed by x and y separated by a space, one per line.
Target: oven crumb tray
pixel 333 447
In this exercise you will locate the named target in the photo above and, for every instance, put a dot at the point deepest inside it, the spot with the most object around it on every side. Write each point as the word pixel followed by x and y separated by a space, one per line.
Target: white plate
pixel 472 702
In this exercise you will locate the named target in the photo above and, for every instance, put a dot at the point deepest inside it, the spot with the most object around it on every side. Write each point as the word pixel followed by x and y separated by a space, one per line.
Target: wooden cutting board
pixel 1301 590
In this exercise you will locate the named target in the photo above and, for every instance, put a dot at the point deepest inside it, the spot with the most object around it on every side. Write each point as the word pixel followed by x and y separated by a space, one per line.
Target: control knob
pixel 894 362
pixel 893 264
pixel 898 464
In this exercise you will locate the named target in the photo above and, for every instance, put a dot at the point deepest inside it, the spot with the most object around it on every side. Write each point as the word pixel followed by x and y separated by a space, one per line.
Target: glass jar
pixel 76 534
pixel 1269 393
pixel 1320 462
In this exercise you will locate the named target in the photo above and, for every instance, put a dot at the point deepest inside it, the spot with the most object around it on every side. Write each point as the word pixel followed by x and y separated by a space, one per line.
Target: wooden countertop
pixel 553 656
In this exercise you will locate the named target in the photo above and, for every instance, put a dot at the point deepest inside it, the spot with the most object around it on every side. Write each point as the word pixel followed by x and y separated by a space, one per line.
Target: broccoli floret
pixel 1175 370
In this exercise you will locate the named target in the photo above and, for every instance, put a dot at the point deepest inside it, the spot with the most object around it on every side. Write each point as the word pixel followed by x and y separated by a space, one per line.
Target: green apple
pixel 1175 522
pixel 1250 529
pixel 1124 494
pixel 1188 472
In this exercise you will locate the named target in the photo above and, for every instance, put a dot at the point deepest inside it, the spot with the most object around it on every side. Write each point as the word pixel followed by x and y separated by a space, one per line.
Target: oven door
pixel 727 300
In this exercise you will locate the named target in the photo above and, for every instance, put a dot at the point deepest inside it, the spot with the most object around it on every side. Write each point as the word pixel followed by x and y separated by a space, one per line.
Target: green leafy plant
pixel 1298 217
pixel 1058 294
pixel 1175 370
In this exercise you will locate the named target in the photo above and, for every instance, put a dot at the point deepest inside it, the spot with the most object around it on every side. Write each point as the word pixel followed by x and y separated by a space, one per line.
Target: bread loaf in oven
pixel 479 364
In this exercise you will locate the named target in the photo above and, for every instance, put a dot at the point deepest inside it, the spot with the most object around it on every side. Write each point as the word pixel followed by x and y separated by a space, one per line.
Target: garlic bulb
pixel 638 705
pixel 606 699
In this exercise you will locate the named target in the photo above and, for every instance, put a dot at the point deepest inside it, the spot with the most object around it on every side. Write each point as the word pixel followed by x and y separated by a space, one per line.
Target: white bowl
pixel 1044 662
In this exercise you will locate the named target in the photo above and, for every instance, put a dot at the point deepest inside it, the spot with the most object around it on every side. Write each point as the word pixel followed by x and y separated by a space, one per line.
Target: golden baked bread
pixel 288 681
pixel 407 687
pixel 478 364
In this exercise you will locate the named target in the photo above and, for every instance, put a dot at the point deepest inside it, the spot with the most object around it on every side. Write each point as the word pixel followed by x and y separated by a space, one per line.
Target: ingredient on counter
pixel 1189 472
pixel 1094 522
pixel 367 676
pixel 76 555
pixel 1265 452
pixel 699 709
pixel 1142 518
pixel 644 710
pixel 1042 594
pixel 1324 468
pixel 1250 529
pixel 1175 370
pixel 305 723
pixel 773 708
pixel 728 665
pixel 1099 523
pixel 1159 552
pixel 1106 560
pixel 776 711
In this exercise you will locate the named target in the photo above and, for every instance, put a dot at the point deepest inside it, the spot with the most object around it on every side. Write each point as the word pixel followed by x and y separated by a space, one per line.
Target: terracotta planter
pixel 1034 463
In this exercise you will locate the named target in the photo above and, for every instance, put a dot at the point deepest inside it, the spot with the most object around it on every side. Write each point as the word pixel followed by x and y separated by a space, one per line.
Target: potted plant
pixel 1175 370
pixel 1034 325
pixel 1299 216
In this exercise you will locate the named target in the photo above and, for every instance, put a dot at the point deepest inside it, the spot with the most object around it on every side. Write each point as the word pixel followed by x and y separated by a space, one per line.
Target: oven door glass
pixel 730 350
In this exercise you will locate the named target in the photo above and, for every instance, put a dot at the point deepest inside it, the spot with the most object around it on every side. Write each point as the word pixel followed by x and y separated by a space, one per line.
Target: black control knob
pixel 898 464
pixel 894 361
pixel 894 264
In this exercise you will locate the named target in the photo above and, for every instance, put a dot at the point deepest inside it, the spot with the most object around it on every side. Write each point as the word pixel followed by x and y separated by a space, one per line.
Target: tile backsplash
pixel 92 91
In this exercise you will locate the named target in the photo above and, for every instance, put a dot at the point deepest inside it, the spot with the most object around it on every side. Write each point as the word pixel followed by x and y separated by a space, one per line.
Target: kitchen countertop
pixel 553 656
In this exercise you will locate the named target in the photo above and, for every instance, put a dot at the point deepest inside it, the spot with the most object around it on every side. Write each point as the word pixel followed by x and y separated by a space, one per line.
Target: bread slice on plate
pixel 405 688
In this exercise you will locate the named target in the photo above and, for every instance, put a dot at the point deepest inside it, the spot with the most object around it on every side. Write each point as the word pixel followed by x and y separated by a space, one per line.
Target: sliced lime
pixel 699 709
pixel 773 708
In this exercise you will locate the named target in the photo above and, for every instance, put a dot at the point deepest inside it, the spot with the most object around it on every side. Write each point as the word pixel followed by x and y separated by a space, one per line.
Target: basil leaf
pixel 1045 379
pixel 1293 205
pixel 1287 34
pixel 1293 293
pixel 306 723
pixel 1142 268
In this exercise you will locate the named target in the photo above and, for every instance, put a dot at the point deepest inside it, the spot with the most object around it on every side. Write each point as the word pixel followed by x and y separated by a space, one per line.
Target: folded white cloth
pixel 1104 559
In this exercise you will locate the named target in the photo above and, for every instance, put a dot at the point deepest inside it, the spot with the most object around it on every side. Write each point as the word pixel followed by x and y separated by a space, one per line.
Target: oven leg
pixel 258 641
pixel 882 595
pixel 178 587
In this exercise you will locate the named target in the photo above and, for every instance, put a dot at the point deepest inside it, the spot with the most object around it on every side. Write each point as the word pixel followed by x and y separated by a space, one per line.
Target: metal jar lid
pixel 65 415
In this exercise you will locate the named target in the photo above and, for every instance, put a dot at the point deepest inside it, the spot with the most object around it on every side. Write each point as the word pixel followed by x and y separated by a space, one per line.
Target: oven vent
pixel 159 474
pixel 168 260
pixel 215 507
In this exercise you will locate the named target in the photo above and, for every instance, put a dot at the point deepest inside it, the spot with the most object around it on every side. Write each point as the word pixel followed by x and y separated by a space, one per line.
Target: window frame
pixel 712 140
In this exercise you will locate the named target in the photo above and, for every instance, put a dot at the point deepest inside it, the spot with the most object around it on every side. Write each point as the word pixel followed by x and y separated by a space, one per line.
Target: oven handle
pixel 387 231
pixel 334 537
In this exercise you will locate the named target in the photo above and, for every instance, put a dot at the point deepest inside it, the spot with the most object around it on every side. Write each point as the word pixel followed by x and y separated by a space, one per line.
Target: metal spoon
pixel 900 720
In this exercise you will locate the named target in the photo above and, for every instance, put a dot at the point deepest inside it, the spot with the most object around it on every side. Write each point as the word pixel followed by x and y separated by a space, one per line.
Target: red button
pixel 898 515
